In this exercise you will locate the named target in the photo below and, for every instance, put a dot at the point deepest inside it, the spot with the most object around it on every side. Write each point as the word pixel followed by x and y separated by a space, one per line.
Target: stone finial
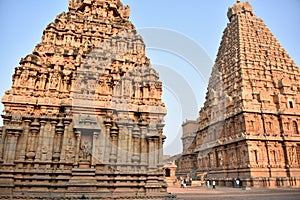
pixel 238 8
pixel 238 1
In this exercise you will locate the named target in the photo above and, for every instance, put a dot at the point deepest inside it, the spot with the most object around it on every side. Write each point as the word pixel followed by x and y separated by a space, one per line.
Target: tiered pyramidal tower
pixel 249 125
pixel 84 115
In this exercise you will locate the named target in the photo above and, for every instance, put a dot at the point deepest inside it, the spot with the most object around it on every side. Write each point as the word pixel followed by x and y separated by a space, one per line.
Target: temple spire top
pixel 239 8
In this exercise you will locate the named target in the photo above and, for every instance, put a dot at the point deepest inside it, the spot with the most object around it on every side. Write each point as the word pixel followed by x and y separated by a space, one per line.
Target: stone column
pixel 143 151
pixel 95 149
pixel 129 143
pixel 51 140
pixel 10 146
pixel 268 145
pixel 156 152
pixel 107 142
pixel 160 143
pixel 151 153
pixel 41 139
pixel 58 141
pixel 121 157
pixel 31 145
pixel 65 140
pixel 102 141
pixel 25 139
pixel 136 148
pixel 114 144
pixel 77 147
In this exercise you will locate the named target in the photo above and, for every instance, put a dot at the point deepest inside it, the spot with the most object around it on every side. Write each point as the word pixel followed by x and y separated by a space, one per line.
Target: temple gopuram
pixel 84 116
pixel 248 128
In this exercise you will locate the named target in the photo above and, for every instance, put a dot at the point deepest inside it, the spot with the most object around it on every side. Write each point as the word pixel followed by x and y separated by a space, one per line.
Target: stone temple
pixel 248 128
pixel 84 115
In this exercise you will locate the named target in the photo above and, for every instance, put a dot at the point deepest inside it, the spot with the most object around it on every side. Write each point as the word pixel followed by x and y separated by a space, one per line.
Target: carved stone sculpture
pixel 78 118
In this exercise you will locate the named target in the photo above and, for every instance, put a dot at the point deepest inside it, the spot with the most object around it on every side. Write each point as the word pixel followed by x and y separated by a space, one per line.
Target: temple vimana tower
pixel 84 115
pixel 248 128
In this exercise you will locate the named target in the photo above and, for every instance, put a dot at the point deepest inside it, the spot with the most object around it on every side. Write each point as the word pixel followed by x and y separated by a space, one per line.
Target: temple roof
pixel 251 67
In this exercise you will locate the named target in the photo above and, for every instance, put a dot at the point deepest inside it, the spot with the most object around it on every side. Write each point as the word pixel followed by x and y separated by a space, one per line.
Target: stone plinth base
pixel 100 182
pixel 83 179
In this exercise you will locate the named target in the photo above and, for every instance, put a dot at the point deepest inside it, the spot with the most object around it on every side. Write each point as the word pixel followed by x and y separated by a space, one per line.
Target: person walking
pixel 238 183
pixel 214 184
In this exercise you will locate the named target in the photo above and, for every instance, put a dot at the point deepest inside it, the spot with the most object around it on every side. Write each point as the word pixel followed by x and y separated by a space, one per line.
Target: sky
pixel 182 39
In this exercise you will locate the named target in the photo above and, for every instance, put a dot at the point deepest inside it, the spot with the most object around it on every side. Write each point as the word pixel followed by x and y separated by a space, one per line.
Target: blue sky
pixel 199 22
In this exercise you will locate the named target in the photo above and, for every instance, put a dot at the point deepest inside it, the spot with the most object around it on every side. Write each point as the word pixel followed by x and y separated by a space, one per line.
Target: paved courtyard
pixel 222 193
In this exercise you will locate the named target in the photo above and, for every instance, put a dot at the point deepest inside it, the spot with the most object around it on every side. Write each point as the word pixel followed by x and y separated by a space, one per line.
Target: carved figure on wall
pixel 54 81
pixel 221 158
pixel 152 91
pixel 24 77
pixel 292 155
pixel 86 150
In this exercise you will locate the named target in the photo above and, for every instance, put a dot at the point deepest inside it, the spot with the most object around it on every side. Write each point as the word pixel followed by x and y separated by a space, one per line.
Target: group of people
pixel 184 182
pixel 213 184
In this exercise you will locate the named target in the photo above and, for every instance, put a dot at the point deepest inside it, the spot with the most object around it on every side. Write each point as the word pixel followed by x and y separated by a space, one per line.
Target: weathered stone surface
pixel 84 114
pixel 188 160
pixel 249 125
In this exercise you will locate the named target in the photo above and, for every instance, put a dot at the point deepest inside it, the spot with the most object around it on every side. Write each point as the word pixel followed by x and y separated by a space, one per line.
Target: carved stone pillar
pixel 121 156
pixel 160 142
pixel 10 146
pixel 129 143
pixel 102 141
pixel 32 141
pixel 58 141
pixel 156 152
pixel 51 140
pixel 107 141
pixel 25 139
pixel 136 149
pixel 77 147
pixel 65 140
pixel 143 151
pixel 41 139
pixel 114 144
pixel 152 165
pixel 268 147
pixel 94 153
pixel 136 145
